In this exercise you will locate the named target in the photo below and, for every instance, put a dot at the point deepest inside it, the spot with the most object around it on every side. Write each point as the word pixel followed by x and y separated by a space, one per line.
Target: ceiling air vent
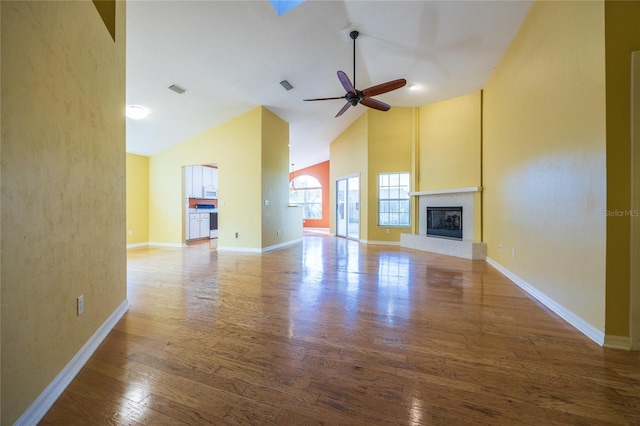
pixel 179 90
pixel 286 84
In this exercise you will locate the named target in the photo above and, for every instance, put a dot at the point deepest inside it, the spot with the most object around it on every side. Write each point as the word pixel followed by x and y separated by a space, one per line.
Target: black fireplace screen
pixel 444 222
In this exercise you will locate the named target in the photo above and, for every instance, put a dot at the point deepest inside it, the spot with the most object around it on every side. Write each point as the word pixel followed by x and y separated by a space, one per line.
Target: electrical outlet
pixel 236 235
pixel 80 304
pixel 278 232
pixel 513 253
pixel 130 232
pixel 388 230
pixel 500 248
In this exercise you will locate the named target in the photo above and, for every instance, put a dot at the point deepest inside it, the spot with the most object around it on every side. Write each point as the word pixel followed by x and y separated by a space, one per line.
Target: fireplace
pixel 444 222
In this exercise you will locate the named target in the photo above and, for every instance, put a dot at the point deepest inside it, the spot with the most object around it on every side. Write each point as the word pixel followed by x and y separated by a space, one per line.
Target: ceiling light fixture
pixel 136 112
pixel 286 84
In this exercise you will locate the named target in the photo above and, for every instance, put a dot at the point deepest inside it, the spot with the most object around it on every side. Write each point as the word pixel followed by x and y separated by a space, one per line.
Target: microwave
pixel 210 192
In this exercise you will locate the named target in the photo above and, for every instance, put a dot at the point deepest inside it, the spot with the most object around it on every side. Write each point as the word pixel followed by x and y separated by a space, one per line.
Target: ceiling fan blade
pixel 384 87
pixel 344 108
pixel 324 99
pixel 346 83
pixel 375 104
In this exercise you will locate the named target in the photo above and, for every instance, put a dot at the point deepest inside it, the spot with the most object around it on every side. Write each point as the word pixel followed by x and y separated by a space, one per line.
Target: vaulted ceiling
pixel 230 56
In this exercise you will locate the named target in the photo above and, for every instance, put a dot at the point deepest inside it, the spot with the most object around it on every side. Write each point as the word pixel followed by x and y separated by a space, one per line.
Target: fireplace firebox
pixel 444 222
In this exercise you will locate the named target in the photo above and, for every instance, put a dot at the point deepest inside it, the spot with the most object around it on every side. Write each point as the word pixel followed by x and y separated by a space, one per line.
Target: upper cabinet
pixel 207 176
pixel 196 178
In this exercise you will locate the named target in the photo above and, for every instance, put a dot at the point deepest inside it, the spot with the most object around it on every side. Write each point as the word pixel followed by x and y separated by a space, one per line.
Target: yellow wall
pixel 544 156
pixel 349 153
pixel 622 30
pixel 450 143
pixel 390 141
pixel 63 188
pixel 277 225
pixel 137 199
pixel 237 147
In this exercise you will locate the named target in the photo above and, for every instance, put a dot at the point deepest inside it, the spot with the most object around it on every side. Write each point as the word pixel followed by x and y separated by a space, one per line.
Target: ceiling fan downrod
pixel 354 35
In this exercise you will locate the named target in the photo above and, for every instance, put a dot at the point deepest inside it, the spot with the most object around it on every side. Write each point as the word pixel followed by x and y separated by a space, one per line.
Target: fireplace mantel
pixel 467 247
pixel 447 191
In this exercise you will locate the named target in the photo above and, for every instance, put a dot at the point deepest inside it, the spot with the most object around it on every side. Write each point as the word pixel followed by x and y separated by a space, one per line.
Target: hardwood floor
pixel 330 331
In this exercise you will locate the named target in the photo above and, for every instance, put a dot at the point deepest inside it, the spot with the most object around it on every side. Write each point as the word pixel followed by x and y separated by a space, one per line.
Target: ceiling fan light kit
pixel 364 97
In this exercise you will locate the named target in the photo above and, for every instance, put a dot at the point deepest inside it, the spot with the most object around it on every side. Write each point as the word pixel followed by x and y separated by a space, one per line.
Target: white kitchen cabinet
pixel 214 178
pixel 197 181
pixel 204 225
pixel 188 181
pixel 194 226
pixel 207 176
pixel 198 226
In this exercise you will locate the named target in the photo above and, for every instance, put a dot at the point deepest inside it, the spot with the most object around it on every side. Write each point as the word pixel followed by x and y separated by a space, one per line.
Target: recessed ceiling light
pixel 415 87
pixel 137 112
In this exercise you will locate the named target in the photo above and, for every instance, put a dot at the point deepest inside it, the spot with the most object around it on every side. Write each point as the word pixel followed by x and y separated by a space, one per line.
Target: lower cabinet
pixel 198 226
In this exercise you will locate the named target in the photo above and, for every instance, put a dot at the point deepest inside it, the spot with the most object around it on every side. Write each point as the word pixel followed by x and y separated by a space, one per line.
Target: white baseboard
pixel 617 342
pixel 137 245
pixel 41 405
pixel 576 321
pixel 239 249
pixel 174 245
pixel 381 243
pixel 281 245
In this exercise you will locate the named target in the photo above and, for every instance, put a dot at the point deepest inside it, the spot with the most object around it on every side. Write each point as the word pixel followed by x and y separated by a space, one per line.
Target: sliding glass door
pixel 348 207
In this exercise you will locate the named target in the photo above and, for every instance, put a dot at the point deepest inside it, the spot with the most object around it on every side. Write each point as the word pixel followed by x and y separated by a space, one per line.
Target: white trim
pixel 381 243
pixel 579 323
pixel 617 342
pixel 174 245
pixel 318 230
pixel 239 249
pixel 447 191
pixel 41 405
pixel 134 245
pixel 281 245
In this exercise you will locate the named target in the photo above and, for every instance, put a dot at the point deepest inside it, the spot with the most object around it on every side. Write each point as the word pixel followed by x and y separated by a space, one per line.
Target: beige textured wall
pixel 391 136
pixel 63 188
pixel 277 226
pixel 544 156
pixel 450 143
pixel 137 199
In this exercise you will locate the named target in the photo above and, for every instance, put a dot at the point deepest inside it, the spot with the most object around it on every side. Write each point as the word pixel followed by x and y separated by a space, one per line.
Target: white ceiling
pixel 231 56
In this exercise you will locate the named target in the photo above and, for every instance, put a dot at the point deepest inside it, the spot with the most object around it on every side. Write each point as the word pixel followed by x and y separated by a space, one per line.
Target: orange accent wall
pixel 319 171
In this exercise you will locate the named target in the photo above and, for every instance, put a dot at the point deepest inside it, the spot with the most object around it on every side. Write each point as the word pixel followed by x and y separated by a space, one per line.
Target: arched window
pixel 306 191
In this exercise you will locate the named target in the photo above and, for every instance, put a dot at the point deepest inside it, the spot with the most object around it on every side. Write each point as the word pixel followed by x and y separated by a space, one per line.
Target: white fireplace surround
pixel 466 248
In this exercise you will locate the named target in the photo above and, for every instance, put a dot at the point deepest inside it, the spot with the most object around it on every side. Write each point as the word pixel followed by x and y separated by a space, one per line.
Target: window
pixel 393 199
pixel 306 192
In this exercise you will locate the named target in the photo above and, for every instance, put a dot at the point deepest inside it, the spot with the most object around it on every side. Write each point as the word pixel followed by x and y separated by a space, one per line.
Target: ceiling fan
pixel 364 97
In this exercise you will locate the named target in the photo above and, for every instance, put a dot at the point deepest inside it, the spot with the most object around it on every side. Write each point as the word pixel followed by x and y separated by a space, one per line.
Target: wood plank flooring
pixel 330 331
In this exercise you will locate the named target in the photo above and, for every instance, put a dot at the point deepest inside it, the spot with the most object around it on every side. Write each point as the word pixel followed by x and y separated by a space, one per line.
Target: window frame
pixel 390 200
pixel 303 195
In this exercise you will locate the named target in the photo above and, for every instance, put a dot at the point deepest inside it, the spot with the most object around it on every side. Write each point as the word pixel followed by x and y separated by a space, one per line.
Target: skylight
pixel 283 6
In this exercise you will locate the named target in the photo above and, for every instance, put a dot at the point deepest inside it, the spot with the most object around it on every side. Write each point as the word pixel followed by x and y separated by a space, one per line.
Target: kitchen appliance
pixel 210 192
